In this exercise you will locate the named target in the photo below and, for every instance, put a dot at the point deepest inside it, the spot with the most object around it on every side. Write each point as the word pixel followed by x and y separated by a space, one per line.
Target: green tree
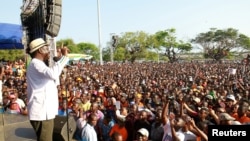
pixel 134 43
pixel 166 39
pixel 12 54
pixel 152 56
pixel 69 43
pixel 88 48
pixel 218 43
pixel 119 54
pixel 106 54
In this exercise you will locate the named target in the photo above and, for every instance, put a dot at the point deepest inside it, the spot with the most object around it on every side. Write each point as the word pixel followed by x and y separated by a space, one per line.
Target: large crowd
pixel 143 101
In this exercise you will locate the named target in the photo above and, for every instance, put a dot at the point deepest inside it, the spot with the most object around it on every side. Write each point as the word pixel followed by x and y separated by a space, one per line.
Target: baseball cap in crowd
pixel 203 108
pixel 209 97
pixel 79 79
pixel 231 97
pixel 144 132
pixel 196 99
pixel 138 95
pixel 36 44
pixel 78 100
pixel 225 116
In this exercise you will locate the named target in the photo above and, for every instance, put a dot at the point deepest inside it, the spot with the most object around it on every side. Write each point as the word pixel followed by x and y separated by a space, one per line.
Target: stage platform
pixel 14 127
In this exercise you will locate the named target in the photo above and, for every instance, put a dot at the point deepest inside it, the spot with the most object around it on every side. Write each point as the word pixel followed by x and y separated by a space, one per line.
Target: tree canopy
pixel 162 45
pixel 168 41
pixel 218 43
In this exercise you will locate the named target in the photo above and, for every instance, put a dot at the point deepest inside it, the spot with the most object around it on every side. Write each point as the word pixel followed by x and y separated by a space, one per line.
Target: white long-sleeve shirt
pixel 42 90
pixel 88 133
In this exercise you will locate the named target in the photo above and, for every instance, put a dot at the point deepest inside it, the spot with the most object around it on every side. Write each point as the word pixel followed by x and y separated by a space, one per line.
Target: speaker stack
pixel 32 17
pixel 61 130
pixel 53 18
pixel 41 18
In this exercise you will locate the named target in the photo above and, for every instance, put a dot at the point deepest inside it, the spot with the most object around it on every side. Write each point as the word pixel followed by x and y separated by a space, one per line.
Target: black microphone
pixel 56 58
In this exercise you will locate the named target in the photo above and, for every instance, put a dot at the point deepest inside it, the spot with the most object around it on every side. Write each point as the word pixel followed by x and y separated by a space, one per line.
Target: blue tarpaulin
pixel 11 36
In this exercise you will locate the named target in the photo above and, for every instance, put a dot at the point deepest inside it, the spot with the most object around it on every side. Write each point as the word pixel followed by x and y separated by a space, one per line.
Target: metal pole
pixel 112 54
pixel 111 48
pixel 158 56
pixel 99 32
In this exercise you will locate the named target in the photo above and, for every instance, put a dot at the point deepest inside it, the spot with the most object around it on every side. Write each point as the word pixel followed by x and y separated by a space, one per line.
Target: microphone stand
pixel 67 110
pixel 67 115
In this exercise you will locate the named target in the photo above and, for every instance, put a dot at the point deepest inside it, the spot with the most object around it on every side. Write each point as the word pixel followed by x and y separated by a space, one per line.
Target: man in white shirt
pixel 42 92
pixel 88 131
